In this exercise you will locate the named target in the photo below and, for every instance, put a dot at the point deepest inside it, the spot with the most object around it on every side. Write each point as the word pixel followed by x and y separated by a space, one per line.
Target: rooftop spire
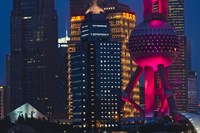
pixel 94 8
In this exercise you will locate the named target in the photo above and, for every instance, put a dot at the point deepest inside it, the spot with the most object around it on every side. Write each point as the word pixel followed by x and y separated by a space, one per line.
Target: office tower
pixel 192 92
pixel 61 78
pixel 33 36
pixel 179 69
pixel 96 75
pixel 7 89
pixel 122 22
pixel 1 102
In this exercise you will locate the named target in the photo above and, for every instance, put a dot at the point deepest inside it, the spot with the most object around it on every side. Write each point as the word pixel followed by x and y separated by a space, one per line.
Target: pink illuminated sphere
pixel 154 42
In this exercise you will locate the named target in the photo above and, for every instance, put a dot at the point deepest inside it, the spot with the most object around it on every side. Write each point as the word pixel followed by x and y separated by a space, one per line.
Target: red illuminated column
pixel 167 91
pixel 133 81
pixel 131 85
pixel 164 107
pixel 149 92
pixel 163 7
pixel 148 9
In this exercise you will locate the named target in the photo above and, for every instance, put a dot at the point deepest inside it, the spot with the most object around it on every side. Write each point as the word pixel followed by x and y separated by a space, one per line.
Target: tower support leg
pixel 164 107
pixel 167 91
pixel 131 85
pixel 149 92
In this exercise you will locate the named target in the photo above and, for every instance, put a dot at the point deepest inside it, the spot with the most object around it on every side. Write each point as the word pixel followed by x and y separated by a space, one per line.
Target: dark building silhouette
pixel 33 36
pixel 61 78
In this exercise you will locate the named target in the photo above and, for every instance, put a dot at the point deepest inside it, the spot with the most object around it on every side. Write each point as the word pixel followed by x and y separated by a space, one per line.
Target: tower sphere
pixel 154 42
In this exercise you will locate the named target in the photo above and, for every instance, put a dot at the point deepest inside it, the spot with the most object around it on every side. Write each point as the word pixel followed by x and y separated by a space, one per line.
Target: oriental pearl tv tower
pixel 154 45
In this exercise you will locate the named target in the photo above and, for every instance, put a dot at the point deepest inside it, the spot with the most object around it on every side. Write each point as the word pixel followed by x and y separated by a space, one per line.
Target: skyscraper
pixel 96 74
pixel 179 69
pixel 33 27
pixel 61 78
pixel 122 22
pixel 192 92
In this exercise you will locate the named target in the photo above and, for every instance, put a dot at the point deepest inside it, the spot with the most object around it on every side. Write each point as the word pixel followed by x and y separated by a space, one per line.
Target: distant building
pixel 179 69
pixel 192 92
pixel 1 102
pixel 33 41
pixel 96 75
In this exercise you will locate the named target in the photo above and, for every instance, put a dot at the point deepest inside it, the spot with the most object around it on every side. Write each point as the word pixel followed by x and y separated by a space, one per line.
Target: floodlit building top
pixel 95 9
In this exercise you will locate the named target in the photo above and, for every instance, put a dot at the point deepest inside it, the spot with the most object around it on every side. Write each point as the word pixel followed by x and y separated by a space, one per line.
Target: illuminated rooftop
pixel 94 8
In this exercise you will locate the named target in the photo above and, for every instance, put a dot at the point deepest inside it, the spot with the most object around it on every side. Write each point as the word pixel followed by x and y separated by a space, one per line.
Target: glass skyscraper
pixel 179 69
pixel 33 27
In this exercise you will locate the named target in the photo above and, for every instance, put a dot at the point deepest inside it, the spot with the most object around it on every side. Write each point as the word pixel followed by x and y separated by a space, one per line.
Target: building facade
pixel 179 69
pixel 192 92
pixel 33 36
pixel 96 76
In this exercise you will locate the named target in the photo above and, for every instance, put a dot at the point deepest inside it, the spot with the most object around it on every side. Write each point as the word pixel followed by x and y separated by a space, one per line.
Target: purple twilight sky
pixel 192 26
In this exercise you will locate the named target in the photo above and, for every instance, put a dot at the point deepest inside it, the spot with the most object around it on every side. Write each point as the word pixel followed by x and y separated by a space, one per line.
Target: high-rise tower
pixel 178 71
pixel 33 27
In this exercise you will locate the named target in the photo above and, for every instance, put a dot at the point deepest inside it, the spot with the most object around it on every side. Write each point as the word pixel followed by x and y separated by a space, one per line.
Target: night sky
pixel 192 23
